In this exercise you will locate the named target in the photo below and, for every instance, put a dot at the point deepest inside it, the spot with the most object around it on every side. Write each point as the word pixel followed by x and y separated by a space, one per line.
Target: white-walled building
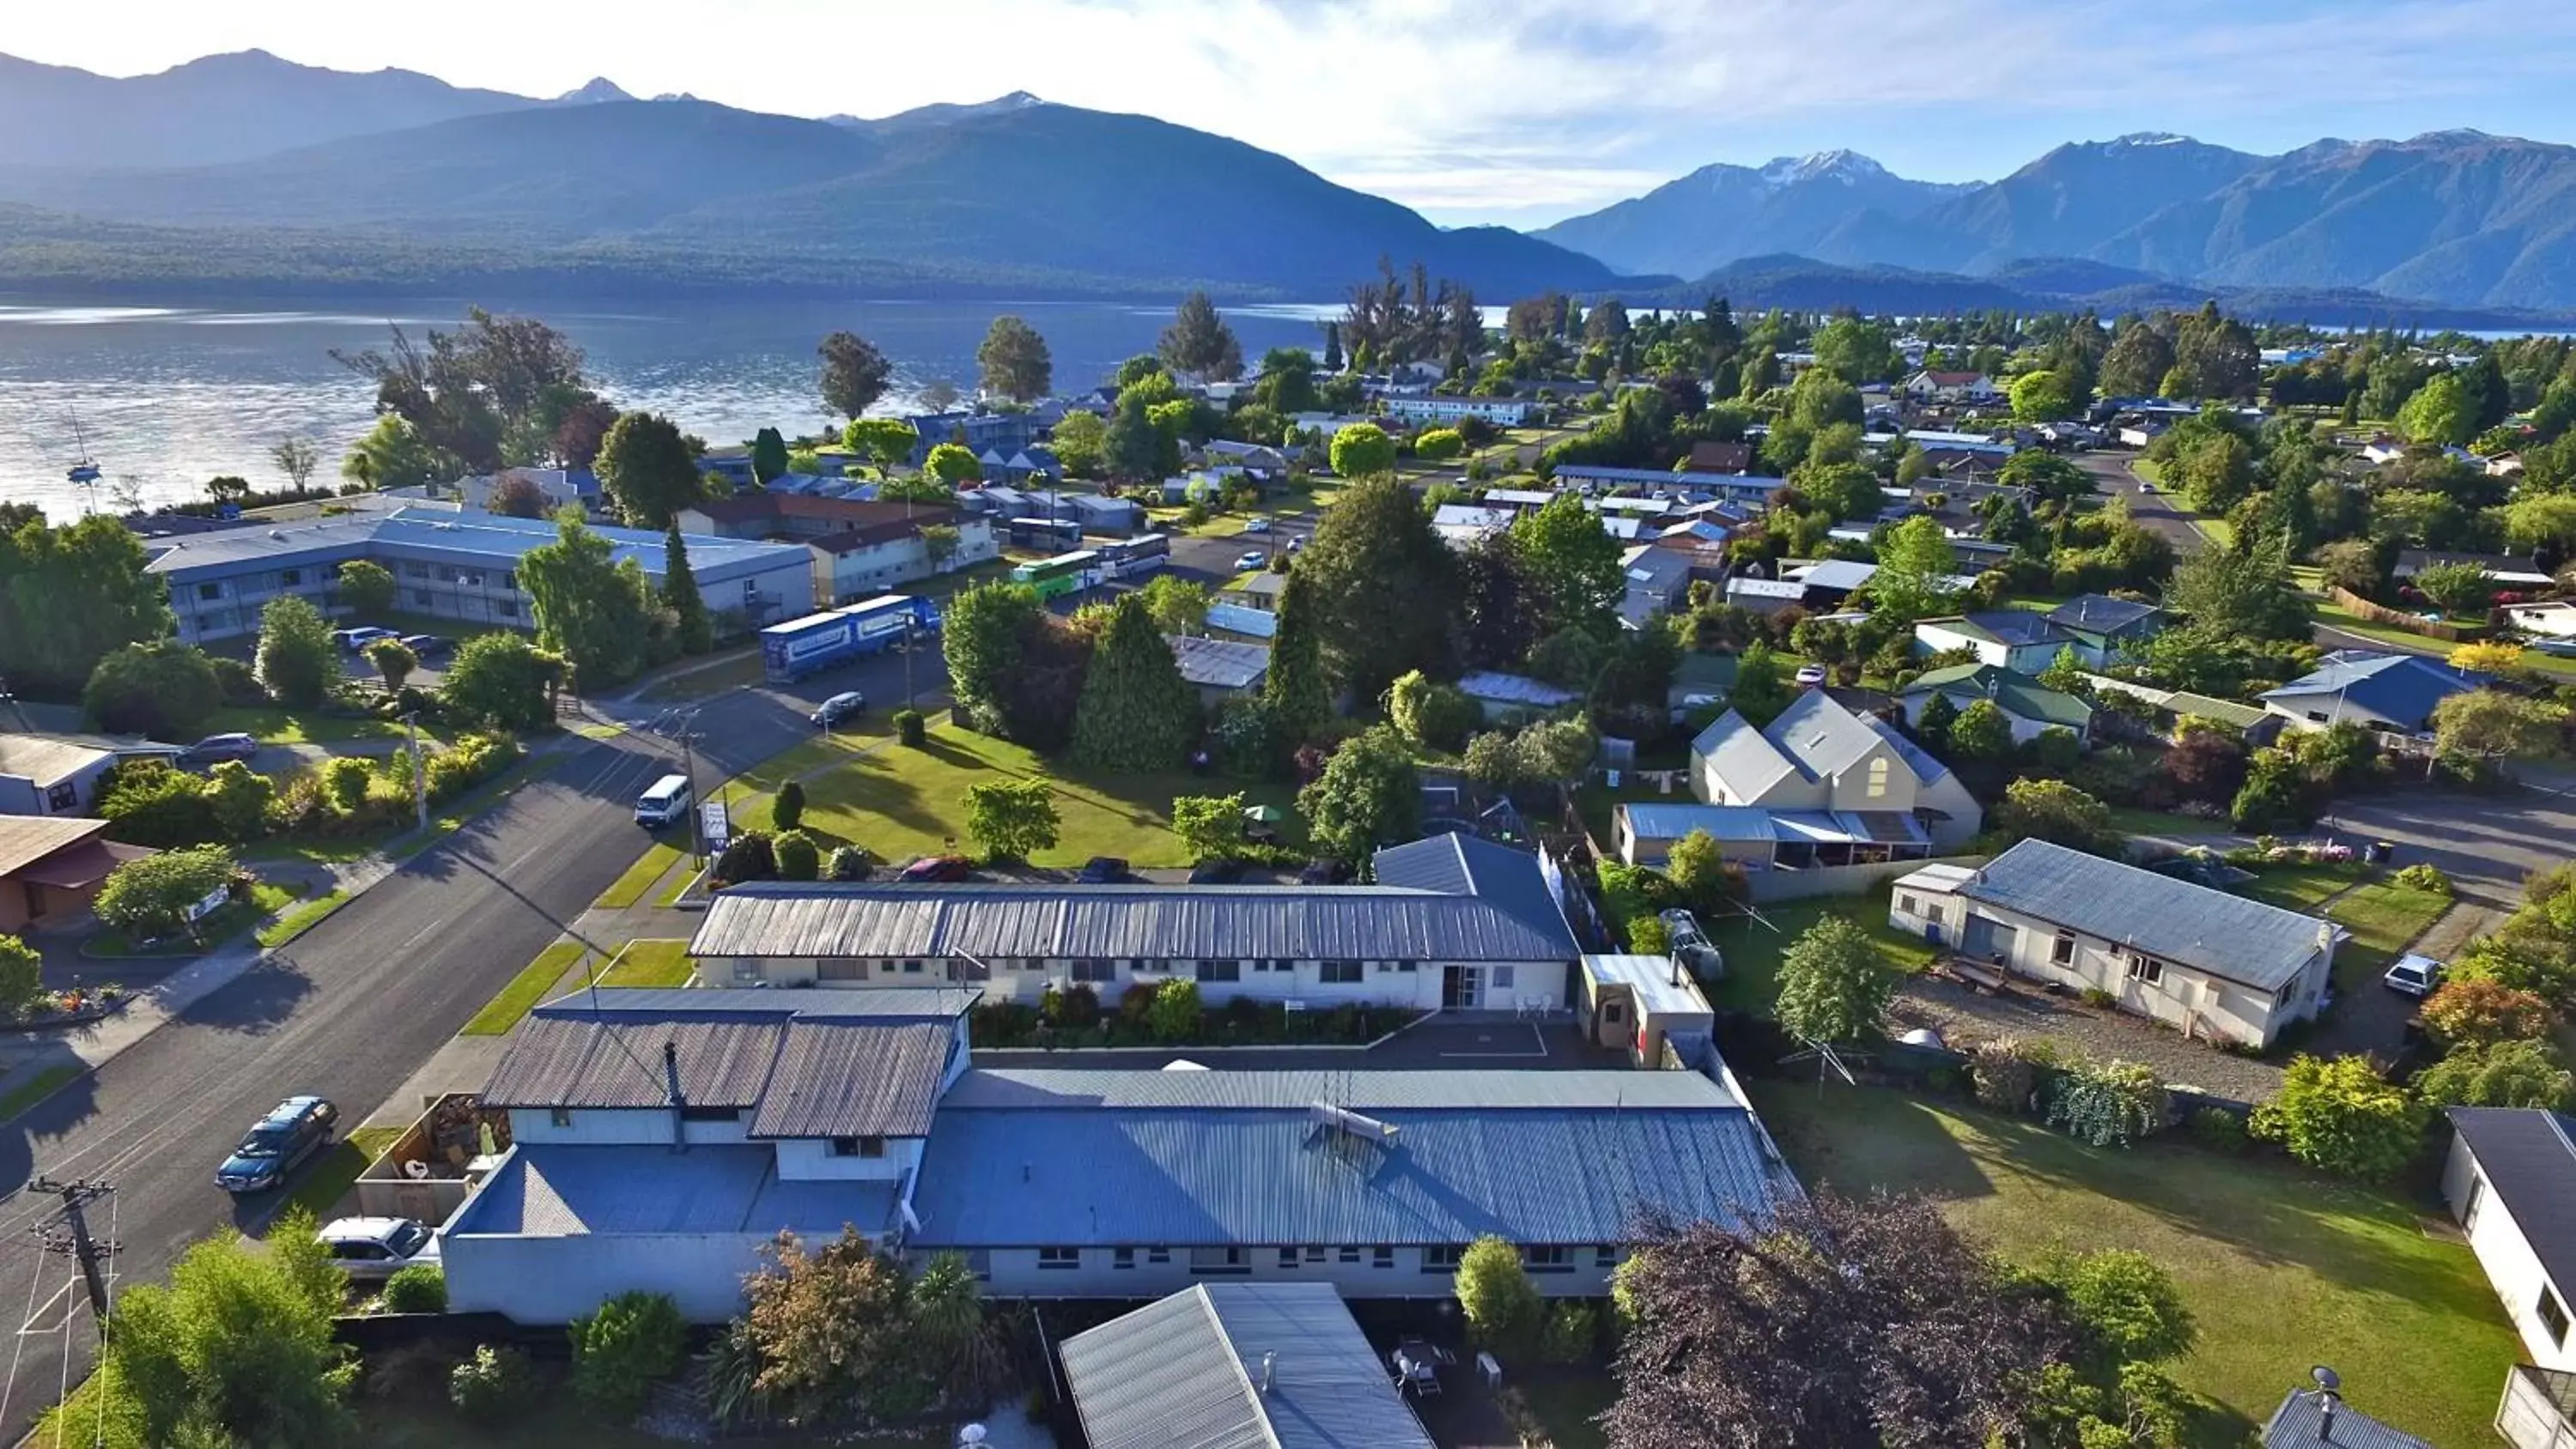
pixel 2511 1181
pixel 1821 763
pixel 1502 412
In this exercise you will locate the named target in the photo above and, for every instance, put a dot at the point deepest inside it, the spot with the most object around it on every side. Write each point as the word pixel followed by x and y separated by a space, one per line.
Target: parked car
pixel 938 868
pixel 2414 975
pixel 2556 648
pixel 1217 872
pixel 369 1249
pixel 1102 870
pixel 216 749
pixel 1256 525
pixel 1247 562
pixel 428 646
pixel 1810 675
pixel 277 1144
pixel 839 707
pixel 1296 545
pixel 359 638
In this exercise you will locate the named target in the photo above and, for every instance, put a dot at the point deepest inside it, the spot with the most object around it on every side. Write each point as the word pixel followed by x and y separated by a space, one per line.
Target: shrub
pixel 344 782
pixel 747 856
pixel 796 855
pixel 1075 1006
pixel 2003 1075
pixel 847 862
pixel 164 688
pixel 2219 1130
pixel 908 728
pixel 2481 1013
pixel 1502 1307
pixel 618 1352
pixel 1572 1334
pixel 1648 936
pixel 147 802
pixel 2425 876
pixel 238 682
pixel 2099 999
pixel 493 1385
pixel 2109 1105
pixel 787 810
pixel 2340 1116
pixel 420 1288
pixel 1175 1014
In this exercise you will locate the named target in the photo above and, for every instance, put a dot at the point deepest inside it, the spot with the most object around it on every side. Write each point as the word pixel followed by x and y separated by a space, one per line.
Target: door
pixel 1462 988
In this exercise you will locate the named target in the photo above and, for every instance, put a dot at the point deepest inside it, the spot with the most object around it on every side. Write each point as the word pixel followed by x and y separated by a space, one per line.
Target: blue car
pixel 277 1144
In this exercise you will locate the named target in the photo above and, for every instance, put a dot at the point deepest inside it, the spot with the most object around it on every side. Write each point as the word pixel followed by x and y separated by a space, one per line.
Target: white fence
pixel 2536 1406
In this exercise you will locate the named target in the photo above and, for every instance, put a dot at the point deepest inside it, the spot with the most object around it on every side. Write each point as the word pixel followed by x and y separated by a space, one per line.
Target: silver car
pixel 375 1248
pixel 2414 975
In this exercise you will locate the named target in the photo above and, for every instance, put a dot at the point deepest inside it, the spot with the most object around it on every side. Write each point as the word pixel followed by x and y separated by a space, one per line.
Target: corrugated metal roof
pixel 840 1080
pixel 26 839
pixel 480 540
pixel 1651 821
pixel 2100 614
pixel 558 1062
pixel 47 759
pixel 2300 1424
pixel 557 1192
pixel 888 1003
pixel 2012 691
pixel 1218 663
pixel 2399 687
pixel 1458 864
pixel 1182 1373
pixel 1374 923
pixel 1048 1088
pixel 1515 689
pixel 2528 1157
pixel 1098 1175
pixel 2243 940
pixel 1744 759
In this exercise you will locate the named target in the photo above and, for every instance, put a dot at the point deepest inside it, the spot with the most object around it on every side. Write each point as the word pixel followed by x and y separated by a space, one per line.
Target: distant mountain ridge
pixel 2454 217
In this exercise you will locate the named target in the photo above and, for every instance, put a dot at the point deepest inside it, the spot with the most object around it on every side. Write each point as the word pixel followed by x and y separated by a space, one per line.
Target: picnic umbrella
pixel 1264 814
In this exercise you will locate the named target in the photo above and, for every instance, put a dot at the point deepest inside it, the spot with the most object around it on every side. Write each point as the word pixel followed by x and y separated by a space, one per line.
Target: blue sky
pixel 1520 111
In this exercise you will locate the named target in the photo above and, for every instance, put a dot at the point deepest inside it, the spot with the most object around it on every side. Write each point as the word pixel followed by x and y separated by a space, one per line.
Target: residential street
pixel 348 1011
pixel 2110 472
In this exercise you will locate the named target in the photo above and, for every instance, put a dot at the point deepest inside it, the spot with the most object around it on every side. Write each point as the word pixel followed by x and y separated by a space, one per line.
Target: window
pixel 289 578
pixel 1220 970
pixel 210 591
pixel 1158 1255
pixel 913 968
pixel 415 571
pixel 1606 1256
pixel 561 1116
pixel 1382 1256
pixel 841 968
pixel 506 609
pixel 1338 973
pixel 1543 1259
pixel 1404 965
pixel 62 797
pixel 1314 1254
pixel 1059 1257
pixel 420 598
pixel 1350 1255
pixel 2147 969
pixel 710 1114
pixel 2062 951
pixel 510 580
pixel 1219 1260
pixel 1123 1258
pixel 1908 904
pixel 1442 1258
pixel 1500 978
pixel 979 1261
pixel 2553 1316
pixel 1097 972
pixel 1877 778
pixel 1287 1257
pixel 858 1147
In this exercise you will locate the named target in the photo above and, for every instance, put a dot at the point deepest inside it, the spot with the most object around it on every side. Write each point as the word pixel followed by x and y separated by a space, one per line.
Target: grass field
pixel 227 922
pixel 898 802
pixel 629 888
pixel 2383 917
pixel 534 983
pixel 1752 950
pixel 706 680
pixel 649 963
pixel 328 1180
pixel 34 1088
pixel 297 920
pixel 2306 887
pixel 284 727
pixel 2282 1269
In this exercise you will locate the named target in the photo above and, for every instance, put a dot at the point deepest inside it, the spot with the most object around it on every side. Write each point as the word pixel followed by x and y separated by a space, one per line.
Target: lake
pixel 170 397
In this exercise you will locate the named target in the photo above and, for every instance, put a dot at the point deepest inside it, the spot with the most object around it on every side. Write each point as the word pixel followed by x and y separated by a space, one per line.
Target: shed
pixel 1637 1001
pixel 1502 695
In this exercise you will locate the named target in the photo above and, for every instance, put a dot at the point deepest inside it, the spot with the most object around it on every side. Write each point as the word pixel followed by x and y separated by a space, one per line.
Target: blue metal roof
pixel 2399 687
pixel 1099 1173
pixel 2246 941
pixel 1457 864
pixel 472 540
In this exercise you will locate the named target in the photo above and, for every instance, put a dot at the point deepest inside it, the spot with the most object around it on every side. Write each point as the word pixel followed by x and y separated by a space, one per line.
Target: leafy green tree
pixel 1383 586
pixel 1178 605
pixel 1137 712
pixel 1761 689
pixel 854 376
pixel 2055 811
pixel 1438 445
pixel 648 471
pixel 1212 826
pixel 2339 1115
pixel 297 662
pixel 1434 715
pixel 697 628
pixel 2043 397
pixel 952 465
pixel 1011 819
pixel 2138 360
pixel 1014 361
pixel 239 797
pixel 1915 562
pixel 769 457
pixel 2241 594
pixel 2214 357
pixel 982 633
pixel 1501 1306
pixel 2441 412
pixel 69 597
pixel 1369 795
pixel 149 897
pixel 2505 1074
pixel 22 977
pixel 623 1348
pixel 2456 588
pixel 1081 444
pixel 1198 342
pixel 1570 566
pixel 1176 1016
pixel 393 454
pixel 162 688
pixel 1834 984
pixel 1135 446
pixel 365 588
pixel 2127 1302
pixel 502 680
pixel 1363 450
pixel 1699 873
pixel 1982 733
pixel 889 441
pixel 1856 351
pixel 1556 750
pixel 394 662
pixel 1295 689
pixel 1287 383
pixel 787 807
pixel 1933 726
pixel 591 607
pixel 2492 724
pixel 827 1328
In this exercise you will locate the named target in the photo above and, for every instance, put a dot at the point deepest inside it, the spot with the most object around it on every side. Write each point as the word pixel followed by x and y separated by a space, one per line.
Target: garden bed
pixel 60 1010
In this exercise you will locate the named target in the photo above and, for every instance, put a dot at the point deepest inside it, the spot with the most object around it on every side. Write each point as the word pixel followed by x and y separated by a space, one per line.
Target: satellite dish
pixel 971 1434
pixel 2327 1379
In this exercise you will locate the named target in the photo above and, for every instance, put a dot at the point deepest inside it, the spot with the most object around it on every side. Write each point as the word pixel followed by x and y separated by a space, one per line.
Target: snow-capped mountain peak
pixel 1838 165
pixel 2151 138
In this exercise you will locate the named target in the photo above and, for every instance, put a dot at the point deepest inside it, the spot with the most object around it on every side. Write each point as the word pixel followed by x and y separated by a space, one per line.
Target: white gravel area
pixel 1965 1017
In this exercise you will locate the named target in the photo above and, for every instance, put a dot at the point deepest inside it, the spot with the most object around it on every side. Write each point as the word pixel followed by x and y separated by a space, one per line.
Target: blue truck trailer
pixel 802 647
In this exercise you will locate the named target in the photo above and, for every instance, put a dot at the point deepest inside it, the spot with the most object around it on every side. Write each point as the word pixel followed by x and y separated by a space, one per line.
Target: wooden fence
pixel 2400 619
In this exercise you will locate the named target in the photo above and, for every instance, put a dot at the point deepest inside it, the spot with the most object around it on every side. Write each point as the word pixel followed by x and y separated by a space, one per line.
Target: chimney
pixel 1269 1365
pixel 679 1100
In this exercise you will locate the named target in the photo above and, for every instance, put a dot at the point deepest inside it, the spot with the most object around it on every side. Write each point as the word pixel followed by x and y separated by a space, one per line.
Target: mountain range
pixel 246 173
pixel 2455 217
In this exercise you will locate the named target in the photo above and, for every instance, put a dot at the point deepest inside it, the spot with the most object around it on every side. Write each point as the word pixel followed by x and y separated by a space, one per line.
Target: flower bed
pixel 55 1010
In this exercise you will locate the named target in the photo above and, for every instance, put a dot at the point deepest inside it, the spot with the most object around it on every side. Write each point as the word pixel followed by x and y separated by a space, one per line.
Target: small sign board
pixel 713 824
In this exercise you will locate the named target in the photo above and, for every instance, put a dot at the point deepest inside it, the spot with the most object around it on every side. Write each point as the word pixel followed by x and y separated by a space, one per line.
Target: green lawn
pixel 35 1088
pixel 310 727
pixel 2383 917
pixel 1567 1403
pixel 705 681
pixel 639 877
pixel 331 1175
pixel 297 920
pixel 534 983
pixel 649 963
pixel 265 898
pixel 1752 950
pixel 899 802
pixel 2283 1269
pixel 2303 887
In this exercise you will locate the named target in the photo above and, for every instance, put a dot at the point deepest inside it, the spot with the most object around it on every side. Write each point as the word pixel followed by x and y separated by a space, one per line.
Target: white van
pixel 666 804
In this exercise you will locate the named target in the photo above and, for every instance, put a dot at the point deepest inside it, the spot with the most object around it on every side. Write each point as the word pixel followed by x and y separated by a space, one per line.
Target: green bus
pixel 1066 573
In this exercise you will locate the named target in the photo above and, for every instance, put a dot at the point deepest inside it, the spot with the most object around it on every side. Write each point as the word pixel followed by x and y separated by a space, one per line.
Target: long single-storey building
pixel 2212 964
pixel 2511 1181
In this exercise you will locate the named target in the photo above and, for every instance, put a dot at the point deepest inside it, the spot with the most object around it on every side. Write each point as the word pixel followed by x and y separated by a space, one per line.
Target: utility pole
pixel 419 772
pixel 689 770
pixel 69 1236
pixel 909 620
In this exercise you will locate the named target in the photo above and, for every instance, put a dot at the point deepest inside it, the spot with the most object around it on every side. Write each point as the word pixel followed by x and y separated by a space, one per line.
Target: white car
pixel 2414 975
pixel 1810 675
pixel 376 1248
pixel 1245 563
pixel 1256 525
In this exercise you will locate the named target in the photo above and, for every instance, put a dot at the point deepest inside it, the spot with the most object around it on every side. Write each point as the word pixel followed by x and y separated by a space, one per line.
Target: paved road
pixel 350 1010
pixel 2110 473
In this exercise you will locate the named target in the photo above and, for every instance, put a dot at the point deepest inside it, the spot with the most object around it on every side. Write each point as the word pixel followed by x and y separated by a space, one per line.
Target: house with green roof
pixel 2030 705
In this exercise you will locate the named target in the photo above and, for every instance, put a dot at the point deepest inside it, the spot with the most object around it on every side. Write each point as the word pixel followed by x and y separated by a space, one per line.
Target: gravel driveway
pixel 1964 1018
